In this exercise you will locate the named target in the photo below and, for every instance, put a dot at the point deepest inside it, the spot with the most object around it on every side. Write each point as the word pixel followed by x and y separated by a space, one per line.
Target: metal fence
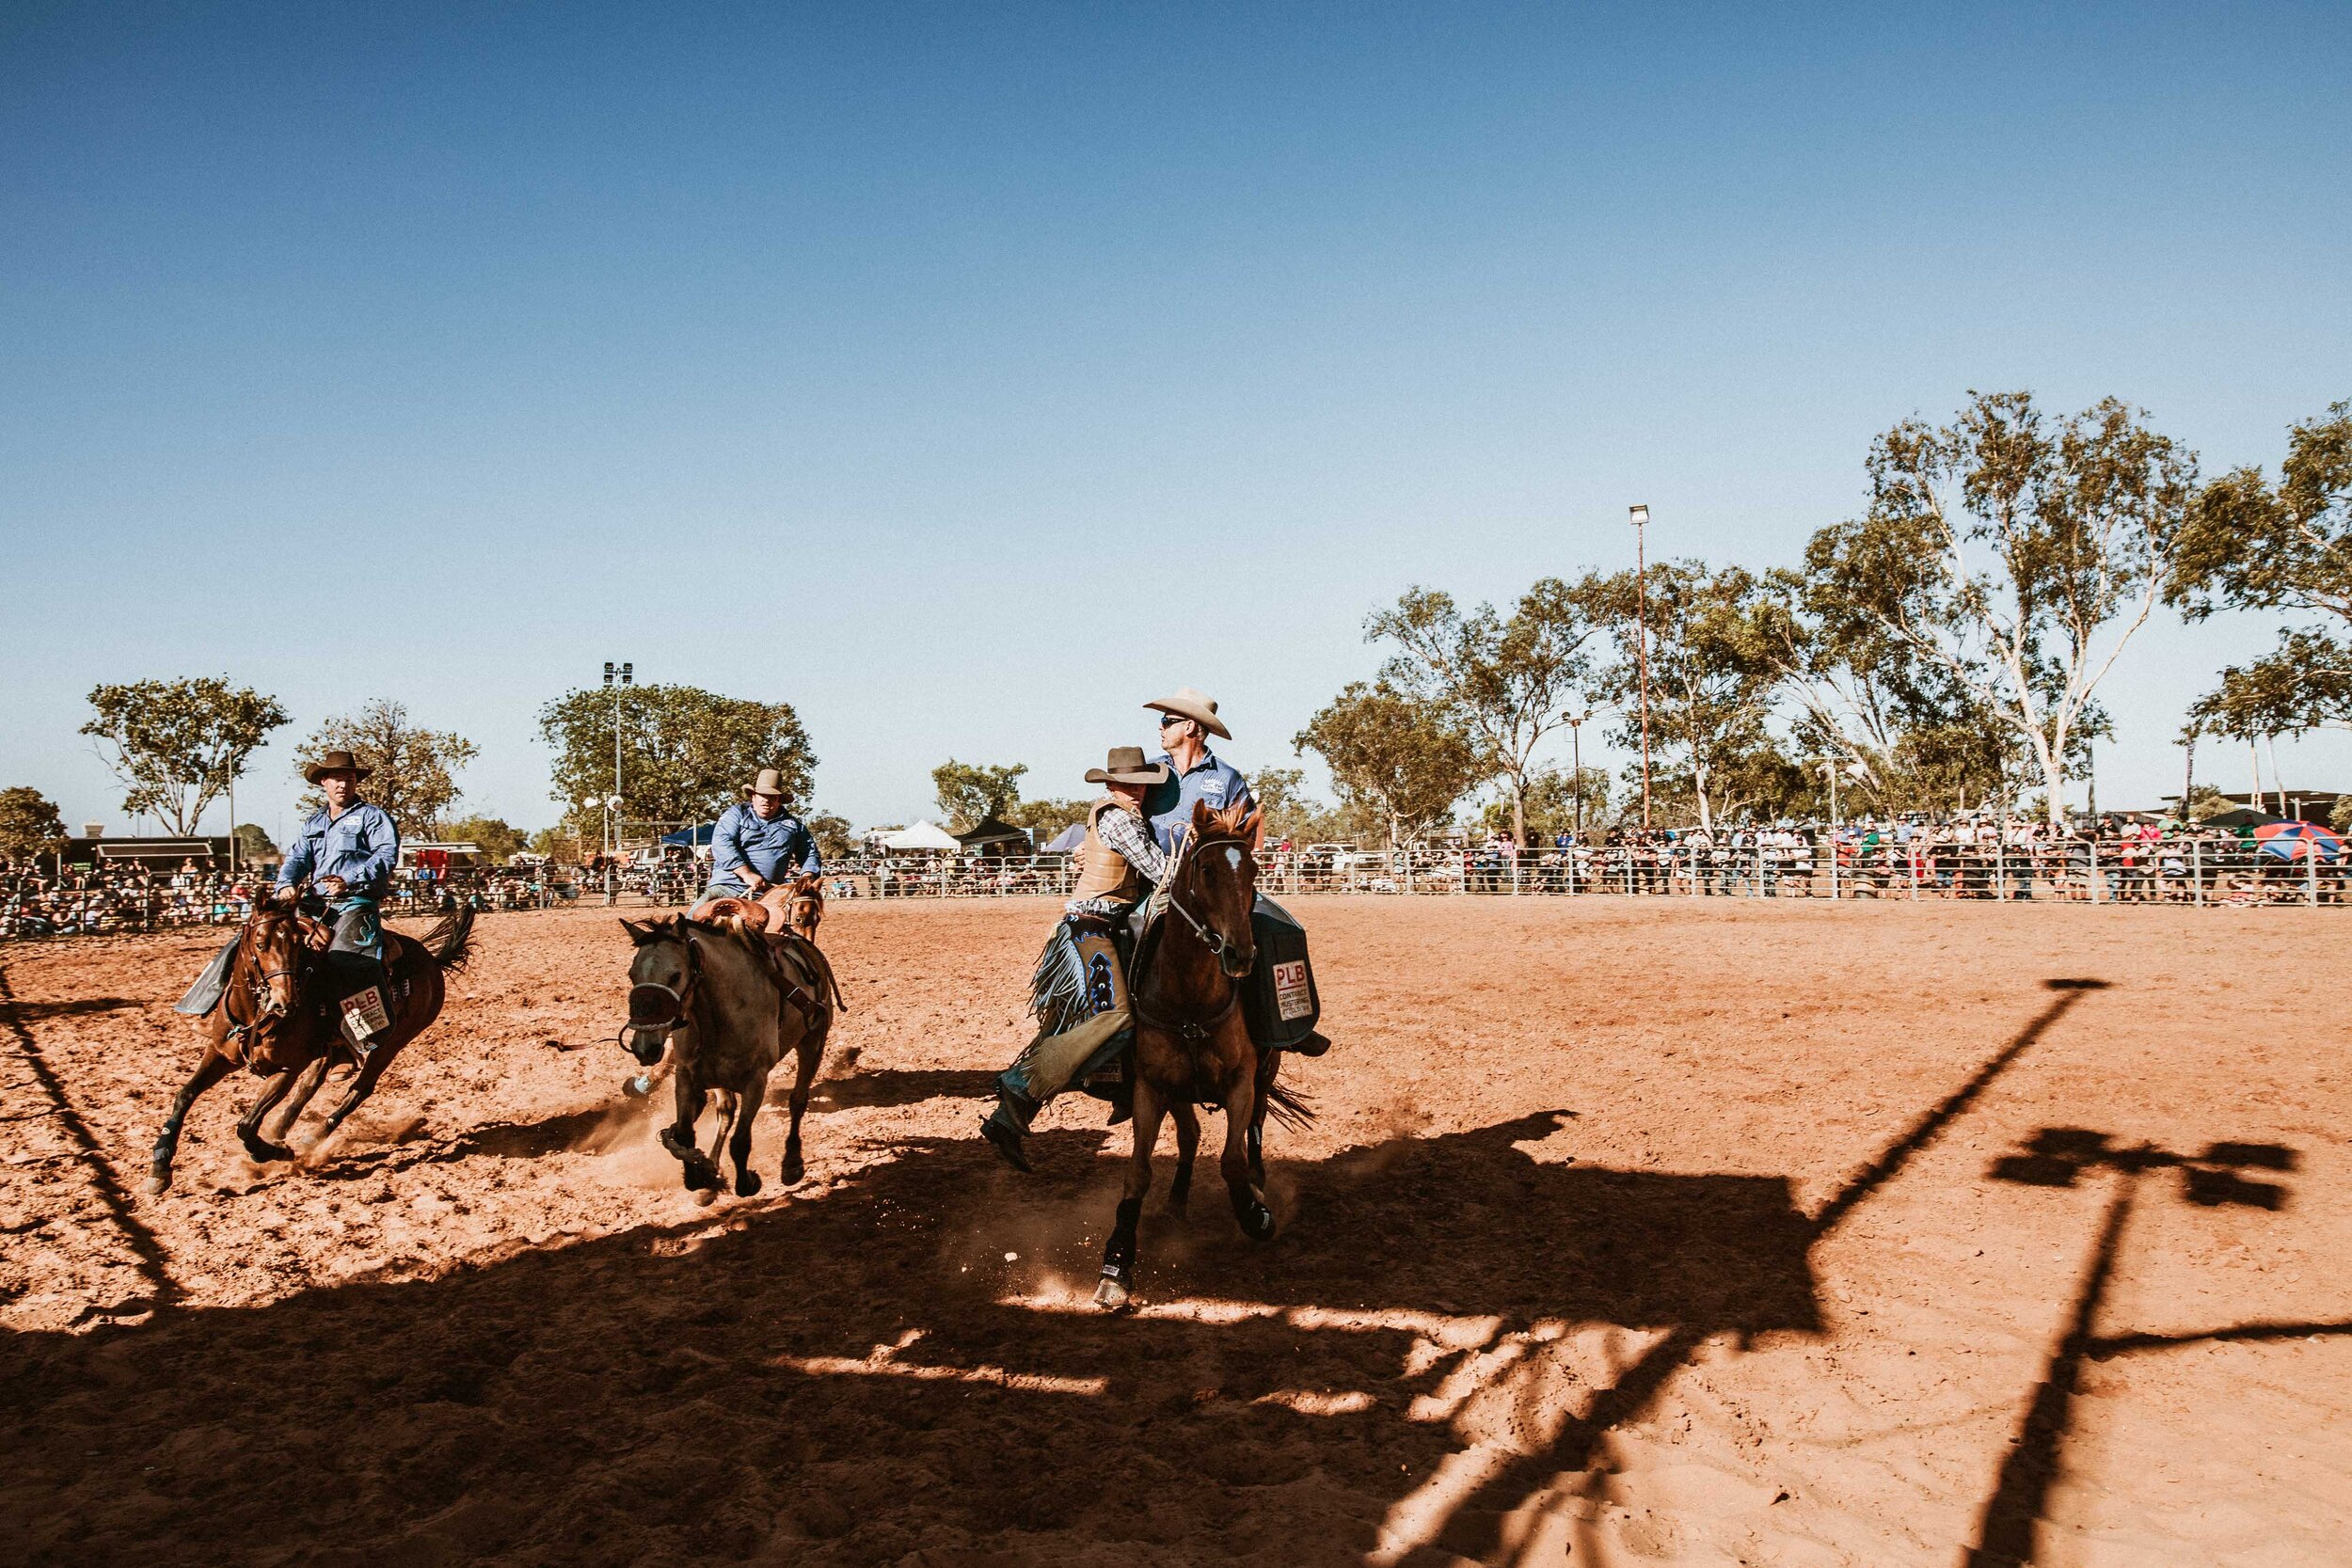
pixel 2202 871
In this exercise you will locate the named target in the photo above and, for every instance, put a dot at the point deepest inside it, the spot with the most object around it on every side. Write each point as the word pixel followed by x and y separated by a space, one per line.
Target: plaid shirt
pixel 1126 832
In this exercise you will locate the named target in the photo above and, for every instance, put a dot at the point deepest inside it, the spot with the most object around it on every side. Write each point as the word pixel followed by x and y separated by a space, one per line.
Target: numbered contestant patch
pixel 1292 996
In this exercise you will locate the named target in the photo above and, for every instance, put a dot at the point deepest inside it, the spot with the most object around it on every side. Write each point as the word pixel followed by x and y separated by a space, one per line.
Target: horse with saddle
pixel 1171 981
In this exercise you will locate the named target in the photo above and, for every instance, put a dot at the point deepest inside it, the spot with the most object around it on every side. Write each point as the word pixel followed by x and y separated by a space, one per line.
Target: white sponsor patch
pixel 364 1017
pixel 1291 997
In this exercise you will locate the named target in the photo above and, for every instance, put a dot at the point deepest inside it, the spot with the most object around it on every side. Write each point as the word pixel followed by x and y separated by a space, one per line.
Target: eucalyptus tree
pixel 1713 677
pixel 1504 682
pixel 686 753
pixel 1403 758
pixel 2250 545
pixel 2018 554
pixel 177 746
pixel 412 771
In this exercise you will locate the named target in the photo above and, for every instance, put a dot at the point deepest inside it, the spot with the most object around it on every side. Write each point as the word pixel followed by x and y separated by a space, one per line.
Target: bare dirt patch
pixel 1663 1232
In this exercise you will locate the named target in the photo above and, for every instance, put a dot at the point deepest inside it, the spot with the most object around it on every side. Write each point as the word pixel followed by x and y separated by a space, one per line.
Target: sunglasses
pixel 1168 718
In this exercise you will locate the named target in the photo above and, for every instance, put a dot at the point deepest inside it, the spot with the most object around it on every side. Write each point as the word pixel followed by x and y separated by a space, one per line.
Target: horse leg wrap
pixel 1118 1253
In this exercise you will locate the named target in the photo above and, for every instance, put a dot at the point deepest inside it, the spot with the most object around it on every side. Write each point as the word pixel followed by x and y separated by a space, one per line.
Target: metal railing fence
pixel 2199 871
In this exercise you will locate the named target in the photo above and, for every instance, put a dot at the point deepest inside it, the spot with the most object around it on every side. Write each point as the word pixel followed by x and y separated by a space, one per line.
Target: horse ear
pixel 638 934
pixel 1253 827
pixel 1201 817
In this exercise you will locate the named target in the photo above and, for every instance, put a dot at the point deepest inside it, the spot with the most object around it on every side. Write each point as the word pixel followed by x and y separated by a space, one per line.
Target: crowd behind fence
pixel 2016 863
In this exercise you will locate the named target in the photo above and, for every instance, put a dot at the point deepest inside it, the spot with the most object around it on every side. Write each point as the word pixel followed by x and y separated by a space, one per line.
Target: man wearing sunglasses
pixel 1195 773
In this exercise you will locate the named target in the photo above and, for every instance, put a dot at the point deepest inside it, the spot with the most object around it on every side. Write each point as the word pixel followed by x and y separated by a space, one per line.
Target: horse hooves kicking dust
pixel 273 1019
pixel 730 1003
pixel 1192 1041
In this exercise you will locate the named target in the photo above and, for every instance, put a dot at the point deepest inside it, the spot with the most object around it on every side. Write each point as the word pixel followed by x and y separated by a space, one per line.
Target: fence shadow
pixel 152 1264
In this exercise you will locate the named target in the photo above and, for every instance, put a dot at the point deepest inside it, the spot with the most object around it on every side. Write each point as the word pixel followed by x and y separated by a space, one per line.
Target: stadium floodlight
pixel 1640 516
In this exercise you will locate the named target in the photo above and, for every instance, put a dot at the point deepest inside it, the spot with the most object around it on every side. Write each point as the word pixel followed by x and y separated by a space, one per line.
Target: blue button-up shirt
pixel 361 846
pixel 1170 803
pixel 773 847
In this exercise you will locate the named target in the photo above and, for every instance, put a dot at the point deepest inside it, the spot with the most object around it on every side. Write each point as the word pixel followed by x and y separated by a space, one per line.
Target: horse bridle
pixel 680 997
pixel 1210 936
pixel 1195 1030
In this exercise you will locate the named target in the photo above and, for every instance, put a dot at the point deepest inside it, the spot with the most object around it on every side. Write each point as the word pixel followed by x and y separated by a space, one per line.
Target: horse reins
pixel 680 997
pixel 1194 1031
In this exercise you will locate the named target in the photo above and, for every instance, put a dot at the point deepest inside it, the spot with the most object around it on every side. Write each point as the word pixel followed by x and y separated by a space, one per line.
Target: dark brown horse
pixel 1192 1041
pixel 275 1019
pixel 733 1002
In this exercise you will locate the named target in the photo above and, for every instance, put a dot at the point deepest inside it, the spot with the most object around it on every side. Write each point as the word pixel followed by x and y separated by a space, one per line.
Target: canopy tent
pixel 692 838
pixel 1067 841
pixel 918 837
pixel 2239 817
pixel 991 836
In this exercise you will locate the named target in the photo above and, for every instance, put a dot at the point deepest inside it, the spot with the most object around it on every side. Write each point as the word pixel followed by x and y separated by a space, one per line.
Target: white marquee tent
pixel 919 836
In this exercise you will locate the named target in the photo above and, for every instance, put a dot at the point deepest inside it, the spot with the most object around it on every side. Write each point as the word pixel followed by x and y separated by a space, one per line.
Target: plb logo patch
pixel 1293 997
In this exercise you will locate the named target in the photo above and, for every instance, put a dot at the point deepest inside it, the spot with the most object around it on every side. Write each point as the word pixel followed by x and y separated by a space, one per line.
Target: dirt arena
pixel 1672 1232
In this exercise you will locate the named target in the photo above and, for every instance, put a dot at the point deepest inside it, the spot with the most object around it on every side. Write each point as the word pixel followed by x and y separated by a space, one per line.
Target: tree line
pixel 1941 650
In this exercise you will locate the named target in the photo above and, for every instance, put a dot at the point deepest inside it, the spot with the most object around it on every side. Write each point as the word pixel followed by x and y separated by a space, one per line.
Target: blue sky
pixel 965 376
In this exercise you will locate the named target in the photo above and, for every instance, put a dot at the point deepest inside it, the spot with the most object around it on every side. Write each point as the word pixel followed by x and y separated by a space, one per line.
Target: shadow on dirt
pixel 847 1378
pixel 896 1086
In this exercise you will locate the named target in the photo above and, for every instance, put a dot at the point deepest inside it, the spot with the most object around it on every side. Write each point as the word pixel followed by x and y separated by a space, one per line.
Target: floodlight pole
pixel 1641 622
pixel 1576 767
pixel 617 679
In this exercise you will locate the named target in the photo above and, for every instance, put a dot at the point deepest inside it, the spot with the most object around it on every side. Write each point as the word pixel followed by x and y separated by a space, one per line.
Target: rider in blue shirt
pixel 346 852
pixel 1187 721
pixel 757 848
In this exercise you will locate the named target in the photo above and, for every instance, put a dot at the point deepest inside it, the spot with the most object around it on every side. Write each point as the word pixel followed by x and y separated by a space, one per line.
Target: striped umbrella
pixel 2294 840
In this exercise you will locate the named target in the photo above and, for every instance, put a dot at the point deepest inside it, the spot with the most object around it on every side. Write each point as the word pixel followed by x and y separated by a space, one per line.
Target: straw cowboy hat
pixel 1196 705
pixel 336 761
pixel 771 781
pixel 1125 765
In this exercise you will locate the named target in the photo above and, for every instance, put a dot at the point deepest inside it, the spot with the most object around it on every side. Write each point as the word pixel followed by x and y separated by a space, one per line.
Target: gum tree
pixel 2018 555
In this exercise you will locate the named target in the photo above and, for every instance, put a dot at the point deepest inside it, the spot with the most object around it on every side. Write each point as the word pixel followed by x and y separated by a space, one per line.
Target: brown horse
pixel 1192 1041
pixel 804 905
pixel 275 1019
pixel 735 1002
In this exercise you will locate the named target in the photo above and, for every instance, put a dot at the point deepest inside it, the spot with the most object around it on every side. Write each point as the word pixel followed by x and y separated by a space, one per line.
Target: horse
pixel 804 905
pixel 274 1020
pixel 1192 1041
pixel 735 1002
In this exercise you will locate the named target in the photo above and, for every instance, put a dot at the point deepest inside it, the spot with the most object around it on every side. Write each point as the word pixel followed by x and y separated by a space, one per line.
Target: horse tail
pixel 450 943
pixel 1289 1107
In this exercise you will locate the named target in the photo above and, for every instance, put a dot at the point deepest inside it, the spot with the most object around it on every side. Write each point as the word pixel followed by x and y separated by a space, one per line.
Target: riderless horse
pixel 275 1018
pixel 735 1002
pixel 1192 1041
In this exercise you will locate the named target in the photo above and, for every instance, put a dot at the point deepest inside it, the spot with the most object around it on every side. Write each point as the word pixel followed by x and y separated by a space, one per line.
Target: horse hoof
pixel 638 1087
pixel 794 1168
pixel 747 1183
pixel 159 1181
pixel 706 1196
pixel 1112 1296
pixel 1257 1223
pixel 264 1152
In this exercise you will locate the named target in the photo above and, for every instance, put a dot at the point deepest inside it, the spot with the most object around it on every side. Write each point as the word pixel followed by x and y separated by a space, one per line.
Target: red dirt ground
pixel 1665 1232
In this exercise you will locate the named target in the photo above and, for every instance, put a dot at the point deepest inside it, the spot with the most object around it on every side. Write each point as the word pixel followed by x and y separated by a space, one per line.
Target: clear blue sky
pixel 966 374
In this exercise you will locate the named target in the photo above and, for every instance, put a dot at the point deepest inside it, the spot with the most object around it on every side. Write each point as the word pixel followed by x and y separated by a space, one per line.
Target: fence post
pixel 2310 872
pixel 2094 871
pixel 1760 889
pixel 1911 859
pixel 2197 871
pixel 1515 871
pixel 1832 865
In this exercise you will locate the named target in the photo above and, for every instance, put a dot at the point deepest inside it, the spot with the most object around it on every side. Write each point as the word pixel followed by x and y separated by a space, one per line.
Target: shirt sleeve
pixel 805 850
pixel 298 859
pixel 1127 834
pixel 726 845
pixel 375 874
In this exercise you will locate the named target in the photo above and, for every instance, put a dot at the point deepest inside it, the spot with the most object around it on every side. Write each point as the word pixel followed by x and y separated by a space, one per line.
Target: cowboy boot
pixel 1008 1125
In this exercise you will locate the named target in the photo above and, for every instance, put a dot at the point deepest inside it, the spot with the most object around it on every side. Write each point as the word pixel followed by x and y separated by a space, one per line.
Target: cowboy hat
pixel 1195 705
pixel 1125 765
pixel 771 781
pixel 336 761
